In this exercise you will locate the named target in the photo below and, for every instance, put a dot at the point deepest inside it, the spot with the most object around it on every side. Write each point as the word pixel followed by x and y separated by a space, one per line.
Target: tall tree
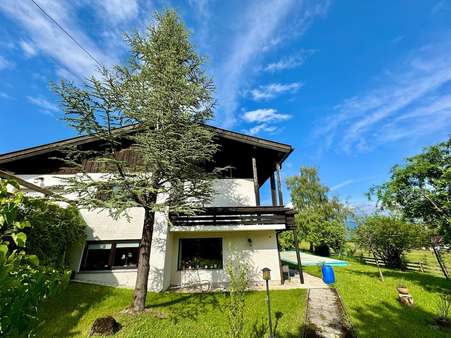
pixel 320 219
pixel 165 95
pixel 421 189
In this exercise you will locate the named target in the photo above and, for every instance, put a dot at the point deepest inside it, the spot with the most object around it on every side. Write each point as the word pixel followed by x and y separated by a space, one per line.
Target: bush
pixel 24 284
pixel 53 232
pixel 388 238
pixel 237 270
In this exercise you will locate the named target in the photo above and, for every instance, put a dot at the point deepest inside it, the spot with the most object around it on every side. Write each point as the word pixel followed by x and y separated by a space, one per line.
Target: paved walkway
pixel 324 314
pixel 294 283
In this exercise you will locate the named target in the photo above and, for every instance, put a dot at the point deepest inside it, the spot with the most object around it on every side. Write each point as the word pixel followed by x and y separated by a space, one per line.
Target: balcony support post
pixel 273 190
pixel 279 184
pixel 298 255
pixel 255 177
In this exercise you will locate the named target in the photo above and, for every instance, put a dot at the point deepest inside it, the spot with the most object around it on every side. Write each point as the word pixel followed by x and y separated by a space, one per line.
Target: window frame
pixel 110 257
pixel 179 254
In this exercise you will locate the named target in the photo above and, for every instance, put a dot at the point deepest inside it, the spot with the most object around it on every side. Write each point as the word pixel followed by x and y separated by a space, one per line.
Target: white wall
pixel 233 192
pixel 230 192
pixel 163 260
pixel 101 226
pixel 262 252
pixel 123 278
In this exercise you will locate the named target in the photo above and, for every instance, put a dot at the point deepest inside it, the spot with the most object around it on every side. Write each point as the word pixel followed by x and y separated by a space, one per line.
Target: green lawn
pixel 428 257
pixel 373 306
pixel 414 256
pixel 188 315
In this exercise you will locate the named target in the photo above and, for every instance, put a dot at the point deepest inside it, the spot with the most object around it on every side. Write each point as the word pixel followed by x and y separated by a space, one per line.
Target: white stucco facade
pixel 256 244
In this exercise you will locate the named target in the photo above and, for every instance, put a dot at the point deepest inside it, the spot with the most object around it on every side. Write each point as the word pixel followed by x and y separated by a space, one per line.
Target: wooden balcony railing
pixel 223 216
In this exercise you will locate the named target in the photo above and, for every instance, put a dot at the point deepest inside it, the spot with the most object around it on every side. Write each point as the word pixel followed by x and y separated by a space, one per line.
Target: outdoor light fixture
pixel 266 274
pixel 266 278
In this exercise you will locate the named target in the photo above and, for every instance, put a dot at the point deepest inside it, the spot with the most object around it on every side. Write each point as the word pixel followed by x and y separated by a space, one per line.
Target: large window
pixel 107 255
pixel 200 253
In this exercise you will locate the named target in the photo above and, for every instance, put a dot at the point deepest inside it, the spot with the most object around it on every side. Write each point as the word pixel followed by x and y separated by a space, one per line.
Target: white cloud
pixel 289 62
pixel 46 106
pixel 3 95
pixel 5 64
pixel 260 30
pixel 265 119
pixel 411 103
pixel 265 115
pixel 341 185
pixel 46 37
pixel 28 48
pixel 272 90
pixel 118 10
pixel 261 127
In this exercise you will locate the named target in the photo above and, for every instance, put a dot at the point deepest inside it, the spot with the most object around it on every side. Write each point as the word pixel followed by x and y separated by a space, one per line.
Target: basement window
pixel 109 255
pixel 200 253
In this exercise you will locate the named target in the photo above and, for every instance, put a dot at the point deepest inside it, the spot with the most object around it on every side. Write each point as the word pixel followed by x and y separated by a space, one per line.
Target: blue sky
pixel 354 86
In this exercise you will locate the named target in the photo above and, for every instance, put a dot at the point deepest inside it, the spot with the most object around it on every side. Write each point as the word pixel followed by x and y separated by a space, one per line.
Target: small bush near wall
pixel 24 281
pixel 24 284
pixel 53 232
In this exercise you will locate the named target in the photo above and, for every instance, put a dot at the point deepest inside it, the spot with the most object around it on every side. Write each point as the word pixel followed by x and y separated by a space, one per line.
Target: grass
pixel 373 305
pixel 188 315
pixel 426 257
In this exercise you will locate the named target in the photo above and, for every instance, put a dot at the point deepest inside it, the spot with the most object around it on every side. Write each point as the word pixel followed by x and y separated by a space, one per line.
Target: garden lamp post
pixel 266 278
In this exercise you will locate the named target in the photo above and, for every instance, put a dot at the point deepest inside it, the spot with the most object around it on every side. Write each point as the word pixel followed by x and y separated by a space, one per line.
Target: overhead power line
pixel 67 33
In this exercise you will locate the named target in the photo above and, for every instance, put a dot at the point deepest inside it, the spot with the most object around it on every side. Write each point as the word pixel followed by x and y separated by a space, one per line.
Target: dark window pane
pixel 97 257
pixel 126 255
pixel 200 253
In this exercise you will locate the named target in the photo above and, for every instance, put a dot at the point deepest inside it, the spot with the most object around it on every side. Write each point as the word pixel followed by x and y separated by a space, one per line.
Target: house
pixel 186 250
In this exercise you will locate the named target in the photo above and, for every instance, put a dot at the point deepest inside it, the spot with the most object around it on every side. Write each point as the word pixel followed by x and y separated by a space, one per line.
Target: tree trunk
pixel 142 276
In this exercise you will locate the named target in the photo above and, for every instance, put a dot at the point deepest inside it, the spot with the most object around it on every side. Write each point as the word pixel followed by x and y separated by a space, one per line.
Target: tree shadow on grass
pixel 387 320
pixel 428 282
pixel 59 315
pixel 260 328
pixel 179 307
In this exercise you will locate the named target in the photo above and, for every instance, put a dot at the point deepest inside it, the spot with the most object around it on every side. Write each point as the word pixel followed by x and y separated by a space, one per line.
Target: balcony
pixel 235 218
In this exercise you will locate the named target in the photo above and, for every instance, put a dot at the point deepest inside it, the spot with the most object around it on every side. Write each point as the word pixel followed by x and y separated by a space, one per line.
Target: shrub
pixel 237 271
pixel 443 306
pixel 389 237
pixel 23 282
pixel 53 232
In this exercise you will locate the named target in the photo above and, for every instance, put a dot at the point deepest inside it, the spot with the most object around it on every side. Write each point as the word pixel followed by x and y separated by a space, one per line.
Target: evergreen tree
pixel 162 97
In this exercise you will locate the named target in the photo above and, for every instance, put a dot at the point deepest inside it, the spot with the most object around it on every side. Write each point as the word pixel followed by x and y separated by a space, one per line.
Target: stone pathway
pixel 324 314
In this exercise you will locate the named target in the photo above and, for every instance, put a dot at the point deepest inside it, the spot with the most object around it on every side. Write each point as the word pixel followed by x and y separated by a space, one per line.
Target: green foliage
pixel 24 283
pixel 389 238
pixel 320 219
pixel 163 96
pixel 11 201
pixel 286 240
pixel 420 189
pixel 54 232
pixel 238 273
pixel 443 305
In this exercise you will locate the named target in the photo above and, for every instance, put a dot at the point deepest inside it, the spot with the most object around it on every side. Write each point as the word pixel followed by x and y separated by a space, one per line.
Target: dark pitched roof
pixel 236 152
pixel 79 140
